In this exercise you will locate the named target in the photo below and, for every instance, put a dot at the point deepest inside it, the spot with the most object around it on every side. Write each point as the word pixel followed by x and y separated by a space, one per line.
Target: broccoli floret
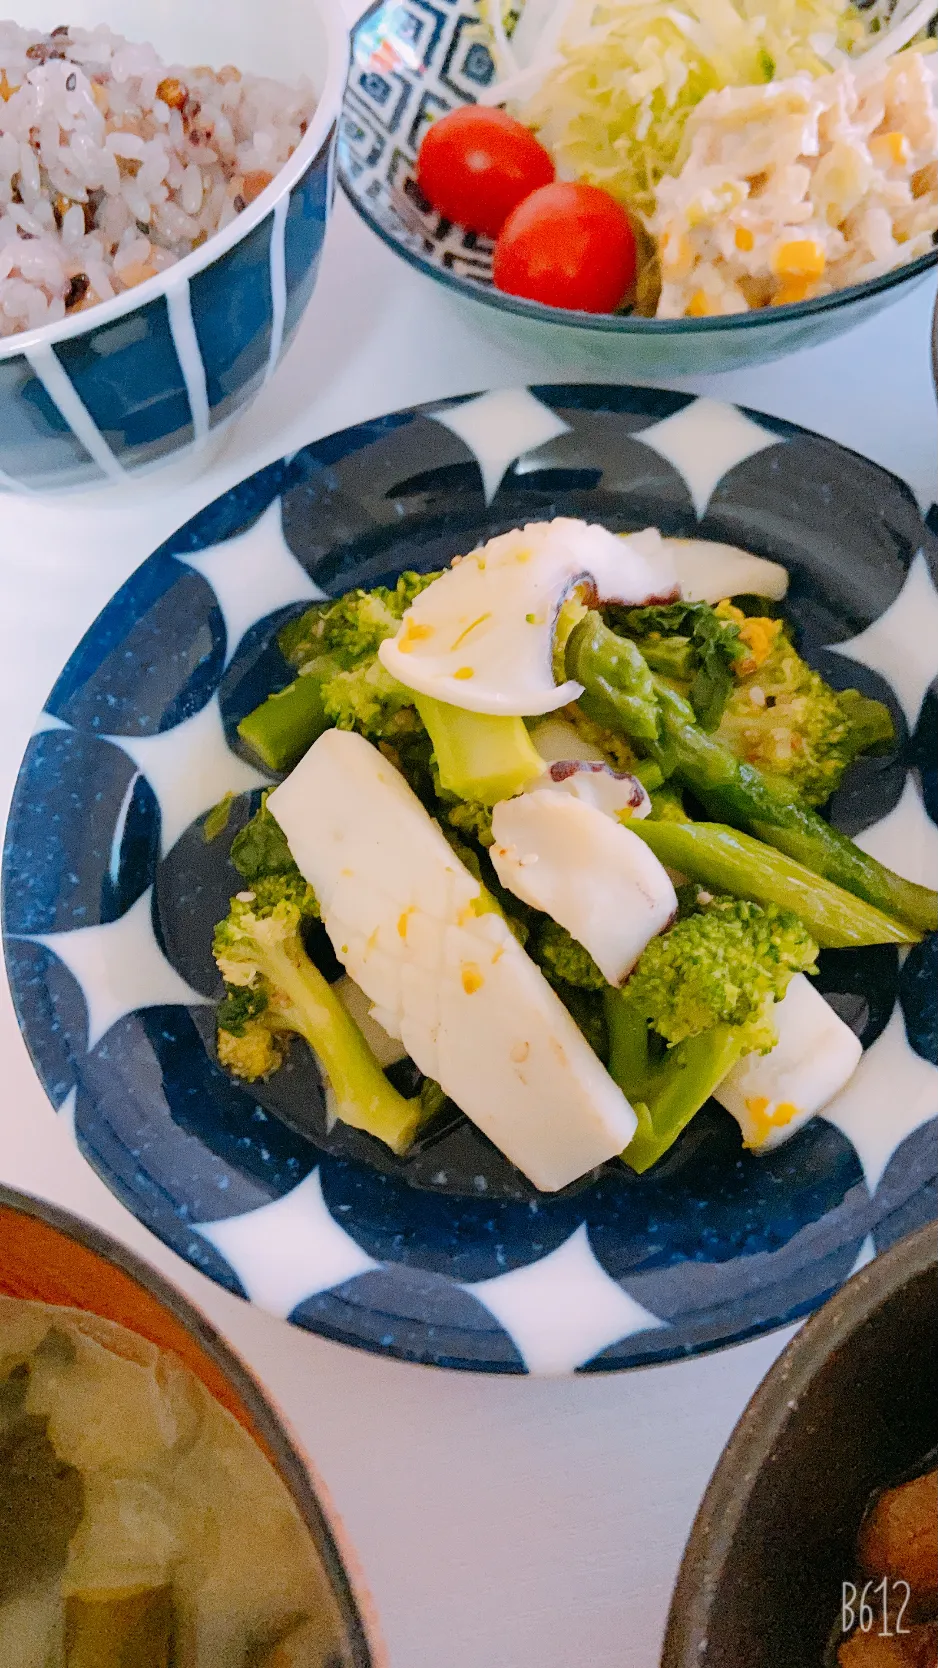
pixel 562 959
pixel 701 996
pixel 784 718
pixel 351 628
pixel 274 989
pixel 368 699
pixel 725 963
pixel 471 818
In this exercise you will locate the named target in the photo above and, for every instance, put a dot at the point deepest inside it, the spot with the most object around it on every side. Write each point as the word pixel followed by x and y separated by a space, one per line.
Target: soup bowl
pixel 49 1256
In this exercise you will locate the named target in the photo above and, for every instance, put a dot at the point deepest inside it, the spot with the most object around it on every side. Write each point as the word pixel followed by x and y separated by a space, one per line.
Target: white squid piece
pixel 576 767
pixel 481 637
pixel 707 571
pixel 587 871
pixel 773 1095
pixel 416 932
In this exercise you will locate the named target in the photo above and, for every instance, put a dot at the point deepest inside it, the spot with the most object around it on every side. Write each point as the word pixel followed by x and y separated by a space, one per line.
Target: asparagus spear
pixel 726 860
pixel 622 693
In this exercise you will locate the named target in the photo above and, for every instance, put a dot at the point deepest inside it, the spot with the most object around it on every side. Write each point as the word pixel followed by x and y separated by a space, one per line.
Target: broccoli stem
pixel 621 692
pixel 726 860
pixel 307 1004
pixel 689 1076
pixel 284 726
pixel 666 1095
pixel 480 756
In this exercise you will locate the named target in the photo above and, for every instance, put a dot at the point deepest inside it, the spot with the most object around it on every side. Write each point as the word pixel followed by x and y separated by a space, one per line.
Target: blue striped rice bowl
pixel 159 368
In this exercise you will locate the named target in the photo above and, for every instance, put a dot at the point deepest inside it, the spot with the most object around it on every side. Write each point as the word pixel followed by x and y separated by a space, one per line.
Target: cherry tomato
pixel 476 165
pixel 567 246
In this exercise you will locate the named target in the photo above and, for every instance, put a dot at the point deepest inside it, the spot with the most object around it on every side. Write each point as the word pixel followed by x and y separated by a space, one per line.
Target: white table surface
pixel 503 1522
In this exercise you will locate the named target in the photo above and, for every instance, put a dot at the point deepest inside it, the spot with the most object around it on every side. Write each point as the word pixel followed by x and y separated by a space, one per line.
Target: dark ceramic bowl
pixel 158 371
pixel 51 1257
pixel 849 1407
pixel 410 63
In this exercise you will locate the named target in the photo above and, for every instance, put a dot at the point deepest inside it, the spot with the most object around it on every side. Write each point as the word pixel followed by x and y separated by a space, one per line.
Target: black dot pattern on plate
pixel 52 1013
pixel 861 985
pixel 714 1243
pixel 848 550
pixel 471 1238
pixel 87 836
pixel 157 662
pixel 923 750
pixel 918 997
pixel 681 1238
pixel 415 1313
pixel 906 1197
pixel 162 1122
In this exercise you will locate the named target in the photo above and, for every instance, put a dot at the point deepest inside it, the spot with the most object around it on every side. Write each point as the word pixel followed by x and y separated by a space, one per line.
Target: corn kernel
pixel 796 289
pixel 743 238
pixel 699 307
pixel 890 150
pixel 802 258
pixel 677 255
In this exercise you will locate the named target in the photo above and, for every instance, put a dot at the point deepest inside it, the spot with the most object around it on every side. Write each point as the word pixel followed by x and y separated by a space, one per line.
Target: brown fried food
pixel 913 1649
pixel 899 1538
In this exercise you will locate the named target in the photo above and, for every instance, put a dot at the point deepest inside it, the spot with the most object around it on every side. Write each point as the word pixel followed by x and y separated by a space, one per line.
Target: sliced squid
pixel 708 572
pixel 587 871
pixel 481 637
pixel 773 1095
pixel 442 971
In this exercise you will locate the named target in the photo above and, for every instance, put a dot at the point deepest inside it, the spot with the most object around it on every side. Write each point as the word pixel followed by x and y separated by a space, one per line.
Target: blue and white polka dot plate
pixel 449 1256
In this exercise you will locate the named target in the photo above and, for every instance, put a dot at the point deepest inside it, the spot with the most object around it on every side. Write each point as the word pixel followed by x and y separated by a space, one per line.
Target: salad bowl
pixel 411 64
pixel 113 882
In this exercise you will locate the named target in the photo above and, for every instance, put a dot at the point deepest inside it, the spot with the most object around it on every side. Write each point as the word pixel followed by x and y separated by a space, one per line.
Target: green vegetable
pixel 691 643
pixel 216 820
pixel 725 964
pixel 260 849
pixel 281 729
pixel 351 627
pixel 41 1504
pixel 700 996
pixel 479 756
pixel 668 806
pixel 273 990
pixel 612 103
pixel 619 689
pixel 128 1628
pixel 342 682
pixel 560 957
pixel 673 1094
pixel 784 717
pixel 729 861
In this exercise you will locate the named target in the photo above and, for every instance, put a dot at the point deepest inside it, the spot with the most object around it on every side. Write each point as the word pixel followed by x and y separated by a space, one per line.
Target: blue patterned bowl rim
pixel 620 324
pixel 328 103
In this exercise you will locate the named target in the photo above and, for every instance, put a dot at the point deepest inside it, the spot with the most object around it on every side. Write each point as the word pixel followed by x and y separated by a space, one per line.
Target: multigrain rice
pixel 114 164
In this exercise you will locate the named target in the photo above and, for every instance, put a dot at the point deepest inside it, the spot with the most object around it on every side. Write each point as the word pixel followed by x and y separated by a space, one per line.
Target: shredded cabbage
pixel 608 84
